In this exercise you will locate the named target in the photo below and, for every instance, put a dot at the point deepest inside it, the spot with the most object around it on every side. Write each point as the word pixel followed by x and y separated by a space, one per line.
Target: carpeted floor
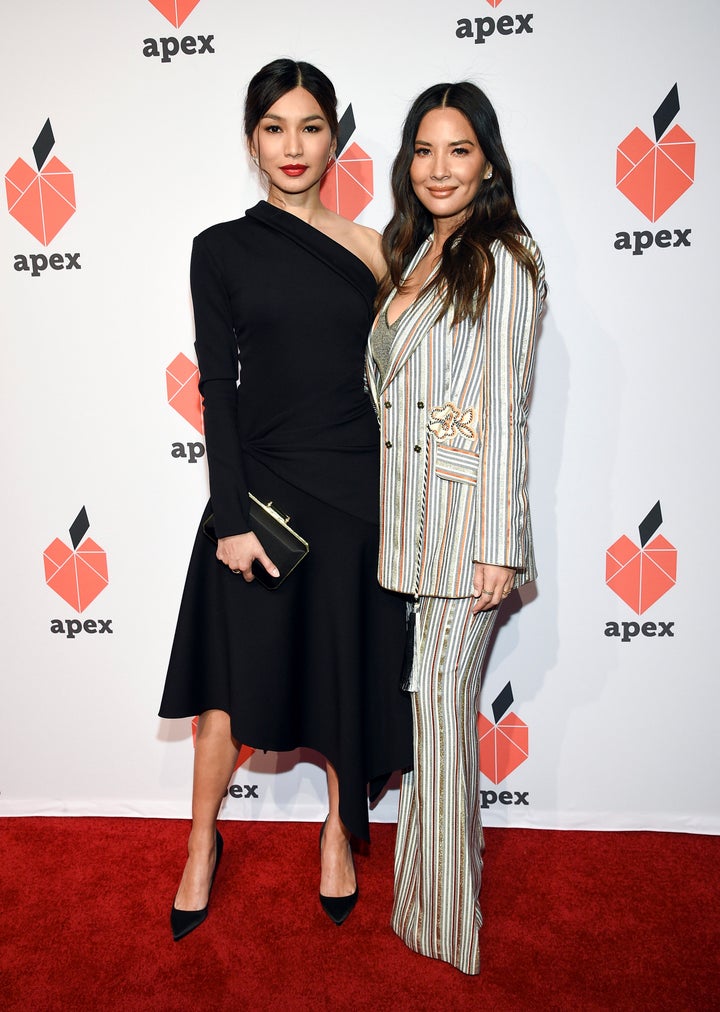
pixel 573 920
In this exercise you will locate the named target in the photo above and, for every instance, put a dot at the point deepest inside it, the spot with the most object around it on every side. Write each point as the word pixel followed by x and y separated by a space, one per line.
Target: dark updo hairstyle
pixel 467 267
pixel 278 78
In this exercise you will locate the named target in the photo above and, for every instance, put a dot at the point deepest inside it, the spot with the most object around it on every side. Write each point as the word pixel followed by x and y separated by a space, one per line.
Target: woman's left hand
pixel 491 584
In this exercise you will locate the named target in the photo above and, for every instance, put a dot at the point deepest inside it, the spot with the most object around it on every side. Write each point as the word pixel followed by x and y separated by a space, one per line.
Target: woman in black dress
pixel 287 293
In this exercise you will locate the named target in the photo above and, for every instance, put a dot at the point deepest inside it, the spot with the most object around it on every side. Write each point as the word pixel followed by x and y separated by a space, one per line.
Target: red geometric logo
pixel 654 176
pixel 347 186
pixel 41 201
pixel 244 753
pixel 77 574
pixel 181 378
pixel 494 3
pixel 175 10
pixel 504 744
pixel 640 576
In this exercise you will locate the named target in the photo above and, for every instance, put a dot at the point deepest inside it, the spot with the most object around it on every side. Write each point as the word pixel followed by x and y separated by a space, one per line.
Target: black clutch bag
pixel 282 544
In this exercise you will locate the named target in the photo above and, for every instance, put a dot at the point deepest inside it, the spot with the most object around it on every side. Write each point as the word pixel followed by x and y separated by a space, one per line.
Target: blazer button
pixel 388 444
pixel 421 404
pixel 388 404
pixel 417 449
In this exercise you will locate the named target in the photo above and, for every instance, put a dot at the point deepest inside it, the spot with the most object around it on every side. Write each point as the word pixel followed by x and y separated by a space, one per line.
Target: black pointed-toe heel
pixel 183 922
pixel 338 908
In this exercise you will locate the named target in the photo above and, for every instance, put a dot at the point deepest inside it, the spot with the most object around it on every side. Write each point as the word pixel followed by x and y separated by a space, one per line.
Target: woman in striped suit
pixel 450 364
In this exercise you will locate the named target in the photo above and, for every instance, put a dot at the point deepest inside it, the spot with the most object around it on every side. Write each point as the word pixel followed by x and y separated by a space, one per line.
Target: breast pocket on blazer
pixel 455 463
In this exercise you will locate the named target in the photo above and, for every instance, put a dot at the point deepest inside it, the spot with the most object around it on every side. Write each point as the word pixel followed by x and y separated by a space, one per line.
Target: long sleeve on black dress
pixel 217 354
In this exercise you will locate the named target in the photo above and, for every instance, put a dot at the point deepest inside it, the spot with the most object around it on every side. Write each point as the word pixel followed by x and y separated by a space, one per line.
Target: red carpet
pixel 573 920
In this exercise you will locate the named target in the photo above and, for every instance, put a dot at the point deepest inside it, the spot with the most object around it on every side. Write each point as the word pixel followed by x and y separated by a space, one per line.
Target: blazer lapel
pixel 416 322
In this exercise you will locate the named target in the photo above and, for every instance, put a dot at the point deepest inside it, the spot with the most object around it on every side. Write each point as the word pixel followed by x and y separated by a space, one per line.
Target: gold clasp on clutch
pixel 282 517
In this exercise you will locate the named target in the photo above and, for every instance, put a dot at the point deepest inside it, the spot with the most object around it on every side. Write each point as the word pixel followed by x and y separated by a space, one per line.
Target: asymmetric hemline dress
pixel 316 663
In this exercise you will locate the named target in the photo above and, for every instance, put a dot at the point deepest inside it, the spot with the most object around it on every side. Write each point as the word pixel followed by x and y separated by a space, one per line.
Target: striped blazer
pixel 453 417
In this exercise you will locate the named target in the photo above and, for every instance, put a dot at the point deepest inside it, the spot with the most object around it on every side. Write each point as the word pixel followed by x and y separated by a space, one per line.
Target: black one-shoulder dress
pixel 316 663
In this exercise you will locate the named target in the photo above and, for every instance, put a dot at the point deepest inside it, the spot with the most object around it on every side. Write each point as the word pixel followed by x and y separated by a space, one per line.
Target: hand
pixel 239 551
pixel 491 584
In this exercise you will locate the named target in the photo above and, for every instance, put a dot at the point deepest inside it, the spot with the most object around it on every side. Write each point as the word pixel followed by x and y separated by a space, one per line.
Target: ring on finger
pixel 236 570
pixel 488 592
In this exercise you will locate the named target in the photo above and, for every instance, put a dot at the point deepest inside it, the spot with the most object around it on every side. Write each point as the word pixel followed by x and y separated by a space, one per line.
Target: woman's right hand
pixel 239 551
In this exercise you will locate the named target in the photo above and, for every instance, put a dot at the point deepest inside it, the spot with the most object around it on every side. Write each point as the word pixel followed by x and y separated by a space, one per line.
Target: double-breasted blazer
pixel 452 407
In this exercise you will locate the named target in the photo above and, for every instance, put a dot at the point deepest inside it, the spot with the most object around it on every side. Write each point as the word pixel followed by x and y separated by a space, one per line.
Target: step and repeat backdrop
pixel 122 138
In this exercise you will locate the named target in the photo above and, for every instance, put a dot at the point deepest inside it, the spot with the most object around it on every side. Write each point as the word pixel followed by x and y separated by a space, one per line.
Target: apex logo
pixel 176 11
pixel 168 47
pixel 181 378
pixel 80 573
pixel 653 176
pixel 347 186
pixel 504 744
pixel 41 201
pixel 480 29
pixel 641 575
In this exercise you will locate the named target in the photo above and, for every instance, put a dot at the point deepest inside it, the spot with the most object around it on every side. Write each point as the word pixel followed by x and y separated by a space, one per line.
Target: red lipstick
pixel 293 170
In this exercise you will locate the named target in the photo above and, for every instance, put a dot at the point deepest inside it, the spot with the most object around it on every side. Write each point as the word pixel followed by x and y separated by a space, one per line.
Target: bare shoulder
pixel 364 242
pixel 370 246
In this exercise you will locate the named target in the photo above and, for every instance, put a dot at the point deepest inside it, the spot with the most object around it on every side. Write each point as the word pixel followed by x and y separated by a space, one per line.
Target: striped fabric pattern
pixel 452 407
pixel 456 495
pixel 438 850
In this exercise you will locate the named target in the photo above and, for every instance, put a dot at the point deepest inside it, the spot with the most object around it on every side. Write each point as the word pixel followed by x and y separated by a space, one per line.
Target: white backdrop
pixel 622 730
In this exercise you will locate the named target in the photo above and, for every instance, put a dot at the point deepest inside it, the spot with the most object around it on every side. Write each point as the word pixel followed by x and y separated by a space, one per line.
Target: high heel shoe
pixel 338 908
pixel 183 922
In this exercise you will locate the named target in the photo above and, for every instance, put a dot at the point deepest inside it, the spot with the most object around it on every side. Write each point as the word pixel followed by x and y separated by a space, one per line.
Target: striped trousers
pixel 439 845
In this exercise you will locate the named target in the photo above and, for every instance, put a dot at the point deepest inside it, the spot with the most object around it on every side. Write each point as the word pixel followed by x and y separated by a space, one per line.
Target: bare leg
pixel 337 873
pixel 215 756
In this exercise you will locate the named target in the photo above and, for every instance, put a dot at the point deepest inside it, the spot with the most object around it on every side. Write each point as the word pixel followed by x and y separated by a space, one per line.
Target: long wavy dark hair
pixel 279 77
pixel 467 267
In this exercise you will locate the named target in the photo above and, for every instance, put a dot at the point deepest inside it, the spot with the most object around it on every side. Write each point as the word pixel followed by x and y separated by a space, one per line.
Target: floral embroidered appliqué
pixel 450 421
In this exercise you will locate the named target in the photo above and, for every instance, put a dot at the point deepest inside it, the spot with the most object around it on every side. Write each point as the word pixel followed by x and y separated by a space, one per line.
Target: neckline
pixel 413 264
pixel 293 219
pixel 394 325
